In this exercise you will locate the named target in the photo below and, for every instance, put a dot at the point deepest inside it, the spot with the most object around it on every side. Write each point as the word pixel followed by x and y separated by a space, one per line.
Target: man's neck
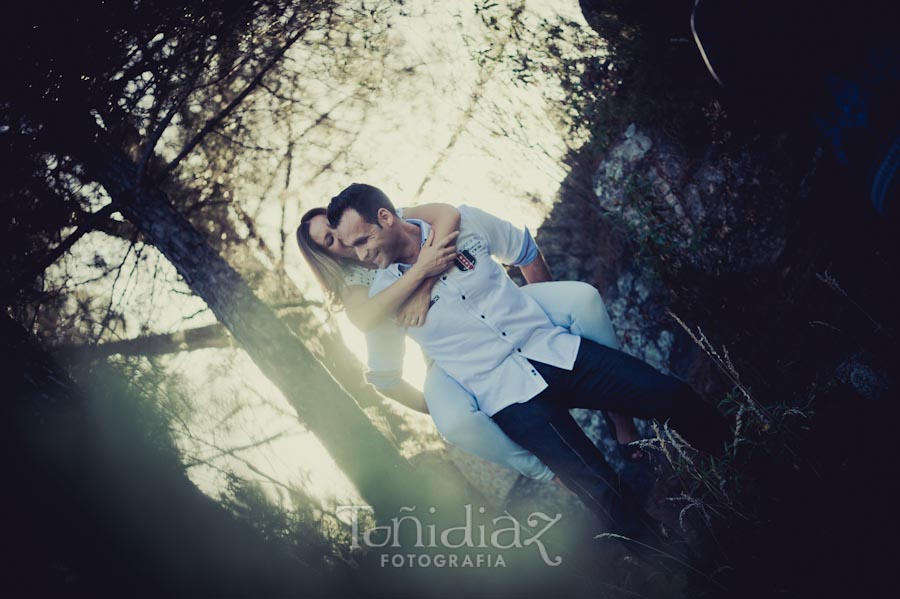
pixel 410 243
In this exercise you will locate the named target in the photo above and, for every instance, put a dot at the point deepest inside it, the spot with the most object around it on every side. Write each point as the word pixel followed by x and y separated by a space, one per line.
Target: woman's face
pixel 326 238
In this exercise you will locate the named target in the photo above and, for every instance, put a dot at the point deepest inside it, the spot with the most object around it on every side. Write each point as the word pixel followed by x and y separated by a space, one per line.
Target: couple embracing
pixel 507 363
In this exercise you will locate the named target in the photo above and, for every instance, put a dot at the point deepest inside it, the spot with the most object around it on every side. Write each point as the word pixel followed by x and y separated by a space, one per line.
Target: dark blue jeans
pixel 606 379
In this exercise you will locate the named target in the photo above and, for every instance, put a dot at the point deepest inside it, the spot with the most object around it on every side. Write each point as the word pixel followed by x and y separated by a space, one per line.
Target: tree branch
pixel 90 224
pixel 214 335
pixel 214 121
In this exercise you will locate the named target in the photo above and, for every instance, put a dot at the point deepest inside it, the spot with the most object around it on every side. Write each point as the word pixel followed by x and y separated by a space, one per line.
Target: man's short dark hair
pixel 365 199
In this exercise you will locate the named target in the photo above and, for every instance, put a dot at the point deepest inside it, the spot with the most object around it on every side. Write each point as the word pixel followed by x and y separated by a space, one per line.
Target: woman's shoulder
pixel 354 274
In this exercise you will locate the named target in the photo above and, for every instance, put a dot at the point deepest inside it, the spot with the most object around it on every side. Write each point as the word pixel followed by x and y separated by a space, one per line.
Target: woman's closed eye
pixel 335 245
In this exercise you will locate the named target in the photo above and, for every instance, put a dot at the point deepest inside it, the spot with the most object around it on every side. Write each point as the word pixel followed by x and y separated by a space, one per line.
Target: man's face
pixel 372 243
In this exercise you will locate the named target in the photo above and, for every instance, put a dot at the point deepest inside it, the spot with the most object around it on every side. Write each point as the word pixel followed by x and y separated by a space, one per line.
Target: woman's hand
pixel 436 256
pixel 412 312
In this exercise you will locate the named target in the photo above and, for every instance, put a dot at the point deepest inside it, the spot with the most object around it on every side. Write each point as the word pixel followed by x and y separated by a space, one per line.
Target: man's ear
pixel 384 217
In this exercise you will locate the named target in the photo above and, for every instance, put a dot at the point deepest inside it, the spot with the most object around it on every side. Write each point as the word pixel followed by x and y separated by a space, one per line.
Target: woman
pixel 576 306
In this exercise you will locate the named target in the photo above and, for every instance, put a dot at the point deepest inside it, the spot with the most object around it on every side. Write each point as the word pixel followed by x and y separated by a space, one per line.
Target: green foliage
pixel 313 537
pixel 134 402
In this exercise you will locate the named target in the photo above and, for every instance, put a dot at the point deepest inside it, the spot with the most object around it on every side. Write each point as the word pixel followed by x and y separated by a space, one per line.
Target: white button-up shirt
pixel 481 327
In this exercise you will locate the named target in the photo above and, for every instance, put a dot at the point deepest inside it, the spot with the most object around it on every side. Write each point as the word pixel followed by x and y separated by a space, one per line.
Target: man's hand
pixel 412 312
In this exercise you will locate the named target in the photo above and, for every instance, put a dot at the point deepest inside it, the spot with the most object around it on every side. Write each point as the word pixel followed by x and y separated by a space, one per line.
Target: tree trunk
pixel 323 341
pixel 372 463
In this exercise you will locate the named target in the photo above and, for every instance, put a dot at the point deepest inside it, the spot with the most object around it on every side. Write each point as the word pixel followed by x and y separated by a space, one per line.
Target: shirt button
pixel 519 349
pixel 482 315
pixel 503 333
pixel 464 297
pixel 533 372
pixel 444 278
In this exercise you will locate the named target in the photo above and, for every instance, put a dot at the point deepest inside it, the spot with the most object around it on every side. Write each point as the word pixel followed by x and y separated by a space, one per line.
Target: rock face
pixel 632 311
pixel 694 212
pixel 656 211
pixel 653 212
pixel 686 214
pixel 620 180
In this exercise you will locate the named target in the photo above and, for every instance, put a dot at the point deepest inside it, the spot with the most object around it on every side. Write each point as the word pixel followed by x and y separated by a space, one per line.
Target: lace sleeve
pixel 358 275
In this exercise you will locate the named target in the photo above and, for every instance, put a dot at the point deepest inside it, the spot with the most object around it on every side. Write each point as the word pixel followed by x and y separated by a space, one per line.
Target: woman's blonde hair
pixel 327 270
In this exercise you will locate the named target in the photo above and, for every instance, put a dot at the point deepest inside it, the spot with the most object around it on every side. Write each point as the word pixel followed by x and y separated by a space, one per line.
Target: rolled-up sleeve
pixel 528 252
pixel 508 244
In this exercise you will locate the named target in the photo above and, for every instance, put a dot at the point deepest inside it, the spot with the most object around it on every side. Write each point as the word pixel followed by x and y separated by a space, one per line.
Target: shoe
pixel 626 450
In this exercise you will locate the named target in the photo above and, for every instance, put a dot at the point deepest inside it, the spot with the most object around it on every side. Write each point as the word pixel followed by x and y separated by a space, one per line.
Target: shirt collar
pixel 398 268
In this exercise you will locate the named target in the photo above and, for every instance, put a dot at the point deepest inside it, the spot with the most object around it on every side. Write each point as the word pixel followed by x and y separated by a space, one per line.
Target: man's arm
pixel 537 270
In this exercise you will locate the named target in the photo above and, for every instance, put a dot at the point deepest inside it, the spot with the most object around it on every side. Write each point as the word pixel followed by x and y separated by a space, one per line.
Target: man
pixel 526 373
